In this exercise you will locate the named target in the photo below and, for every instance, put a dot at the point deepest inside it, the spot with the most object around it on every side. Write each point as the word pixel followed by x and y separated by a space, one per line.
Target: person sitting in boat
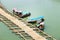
pixel 41 27
pixel 41 24
pixel 15 11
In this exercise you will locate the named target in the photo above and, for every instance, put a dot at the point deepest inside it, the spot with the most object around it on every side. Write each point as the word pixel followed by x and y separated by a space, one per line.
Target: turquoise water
pixel 50 9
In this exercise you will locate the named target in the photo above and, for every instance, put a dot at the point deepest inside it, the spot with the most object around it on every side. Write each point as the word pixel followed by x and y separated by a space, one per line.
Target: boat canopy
pixel 37 18
pixel 25 12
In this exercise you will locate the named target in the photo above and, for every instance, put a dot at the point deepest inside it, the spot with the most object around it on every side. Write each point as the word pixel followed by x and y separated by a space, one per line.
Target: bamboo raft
pixel 18 32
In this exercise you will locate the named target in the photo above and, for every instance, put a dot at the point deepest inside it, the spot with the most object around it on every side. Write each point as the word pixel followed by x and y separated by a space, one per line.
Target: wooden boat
pixel 22 14
pixel 34 20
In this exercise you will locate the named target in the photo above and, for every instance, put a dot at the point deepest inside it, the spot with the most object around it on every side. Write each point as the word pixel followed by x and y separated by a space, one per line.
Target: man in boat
pixel 41 27
pixel 18 13
pixel 41 24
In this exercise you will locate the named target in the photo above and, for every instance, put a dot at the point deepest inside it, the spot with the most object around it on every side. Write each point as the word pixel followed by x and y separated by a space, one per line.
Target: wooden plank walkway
pixel 27 29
